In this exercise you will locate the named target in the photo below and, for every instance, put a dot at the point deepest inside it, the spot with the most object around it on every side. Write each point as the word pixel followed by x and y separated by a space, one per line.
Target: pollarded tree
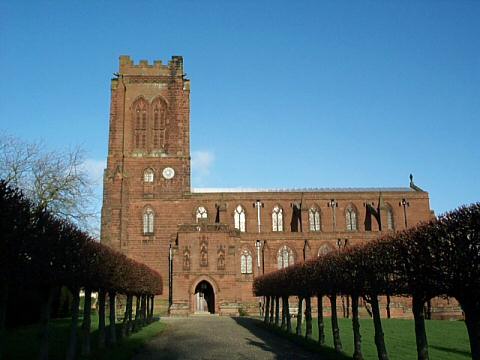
pixel 417 269
pixel 15 226
pixel 377 261
pixel 457 250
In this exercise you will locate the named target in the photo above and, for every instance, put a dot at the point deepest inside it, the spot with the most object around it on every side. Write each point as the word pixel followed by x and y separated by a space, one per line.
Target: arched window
pixel 314 218
pixel 285 257
pixel 246 262
pixel 140 123
pixel 324 249
pixel 390 223
pixel 148 176
pixel 201 213
pixel 351 219
pixel 277 218
pixel 159 119
pixel 239 218
pixel 148 218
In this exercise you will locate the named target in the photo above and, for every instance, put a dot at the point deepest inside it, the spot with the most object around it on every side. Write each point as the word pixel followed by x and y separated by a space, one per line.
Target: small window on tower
pixel 148 176
pixel 148 218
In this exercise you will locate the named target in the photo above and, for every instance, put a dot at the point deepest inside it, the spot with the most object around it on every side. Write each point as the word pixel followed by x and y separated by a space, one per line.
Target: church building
pixel 210 244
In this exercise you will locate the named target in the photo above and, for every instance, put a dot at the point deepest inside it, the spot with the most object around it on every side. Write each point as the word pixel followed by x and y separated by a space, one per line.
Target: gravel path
pixel 216 337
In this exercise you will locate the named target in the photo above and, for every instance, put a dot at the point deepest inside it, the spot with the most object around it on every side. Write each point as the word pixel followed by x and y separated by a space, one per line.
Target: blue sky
pixel 284 93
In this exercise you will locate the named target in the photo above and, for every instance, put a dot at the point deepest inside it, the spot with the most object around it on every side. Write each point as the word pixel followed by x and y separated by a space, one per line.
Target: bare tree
pixel 53 180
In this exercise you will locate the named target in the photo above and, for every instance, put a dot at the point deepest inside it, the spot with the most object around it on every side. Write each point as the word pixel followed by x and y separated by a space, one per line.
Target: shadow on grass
pixel 265 332
pixel 451 351
pixel 23 342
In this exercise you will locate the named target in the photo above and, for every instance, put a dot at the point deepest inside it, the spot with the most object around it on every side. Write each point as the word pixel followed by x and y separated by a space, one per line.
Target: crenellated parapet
pixel 143 67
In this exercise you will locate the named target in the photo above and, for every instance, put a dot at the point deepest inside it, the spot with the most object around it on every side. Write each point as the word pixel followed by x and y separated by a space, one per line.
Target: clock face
pixel 168 173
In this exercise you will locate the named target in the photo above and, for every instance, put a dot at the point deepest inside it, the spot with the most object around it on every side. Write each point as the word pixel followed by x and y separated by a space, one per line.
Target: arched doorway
pixel 204 297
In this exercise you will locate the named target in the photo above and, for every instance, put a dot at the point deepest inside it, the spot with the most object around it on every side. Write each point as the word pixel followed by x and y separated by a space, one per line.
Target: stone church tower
pixel 148 156
pixel 210 244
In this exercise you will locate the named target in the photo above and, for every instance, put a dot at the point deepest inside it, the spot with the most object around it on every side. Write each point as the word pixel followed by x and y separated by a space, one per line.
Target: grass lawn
pixel 23 342
pixel 448 340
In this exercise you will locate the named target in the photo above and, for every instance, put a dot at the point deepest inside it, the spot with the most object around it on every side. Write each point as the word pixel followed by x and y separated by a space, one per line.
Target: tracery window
pixel 201 213
pixel 148 176
pixel 239 218
pixel 148 220
pixel 285 257
pixel 140 123
pixel 314 219
pixel 390 223
pixel 277 218
pixel 351 219
pixel 159 120
pixel 246 262
pixel 324 249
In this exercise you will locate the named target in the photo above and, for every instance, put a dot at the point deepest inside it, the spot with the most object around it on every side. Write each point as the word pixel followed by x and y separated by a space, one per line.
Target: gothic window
pixel 351 218
pixel 203 254
pixel 285 257
pixel 246 262
pixel 239 218
pixel 314 219
pixel 159 116
pixel 277 218
pixel 201 213
pixel 324 249
pixel 148 218
pixel 221 258
pixel 148 176
pixel 390 223
pixel 140 123
pixel 186 259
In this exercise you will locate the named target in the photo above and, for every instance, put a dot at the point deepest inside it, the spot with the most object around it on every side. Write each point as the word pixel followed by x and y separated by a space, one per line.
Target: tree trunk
pixel 428 310
pixel 136 324
pixel 308 317
pixel 277 310
pixel 472 321
pixel 272 309
pixel 420 332
pixel 101 318
pixel 129 315
pixel 267 310
pixel 388 307
pixel 3 313
pixel 348 306
pixel 112 331
pixel 283 324
pixel 379 337
pixel 321 325
pixel 46 308
pixel 147 309
pixel 87 321
pixel 337 342
pixel 144 309
pixel 299 317
pixel 287 316
pixel 126 322
pixel 357 338
pixel 152 307
pixel 72 342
